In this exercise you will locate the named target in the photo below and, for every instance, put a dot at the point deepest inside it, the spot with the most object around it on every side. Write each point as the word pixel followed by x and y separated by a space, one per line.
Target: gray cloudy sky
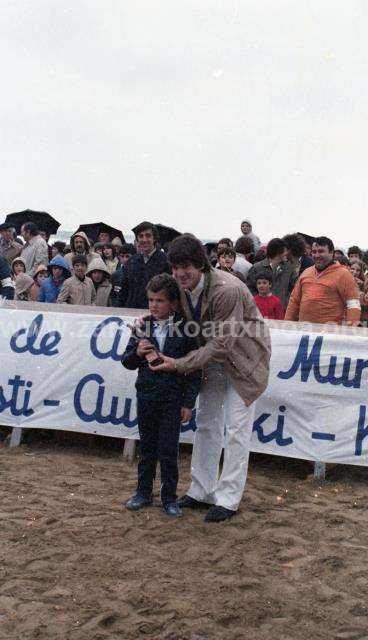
pixel 192 113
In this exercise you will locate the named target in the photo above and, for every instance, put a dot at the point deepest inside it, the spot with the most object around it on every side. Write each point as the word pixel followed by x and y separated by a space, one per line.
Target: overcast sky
pixel 193 113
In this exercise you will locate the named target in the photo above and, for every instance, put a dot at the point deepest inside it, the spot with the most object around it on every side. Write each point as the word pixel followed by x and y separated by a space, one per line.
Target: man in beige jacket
pixel 79 289
pixel 234 355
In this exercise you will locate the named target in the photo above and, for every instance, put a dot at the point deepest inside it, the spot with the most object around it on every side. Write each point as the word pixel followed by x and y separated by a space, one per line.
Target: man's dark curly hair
pixel 187 249
pixel 295 244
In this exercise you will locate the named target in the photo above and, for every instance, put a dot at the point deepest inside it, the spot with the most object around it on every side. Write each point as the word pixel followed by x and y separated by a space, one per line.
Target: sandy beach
pixel 76 565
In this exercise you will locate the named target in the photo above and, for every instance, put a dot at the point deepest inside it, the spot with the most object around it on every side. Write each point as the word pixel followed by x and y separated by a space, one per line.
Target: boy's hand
pixel 144 346
pixel 169 364
pixel 186 415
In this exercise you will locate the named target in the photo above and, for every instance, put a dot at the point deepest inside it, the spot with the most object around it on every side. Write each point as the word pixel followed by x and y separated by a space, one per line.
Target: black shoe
pixel 172 509
pixel 186 502
pixel 138 502
pixel 218 514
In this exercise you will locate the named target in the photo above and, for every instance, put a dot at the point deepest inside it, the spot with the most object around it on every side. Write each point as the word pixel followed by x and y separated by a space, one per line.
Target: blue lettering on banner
pixel 47 343
pixel 277 434
pixel 307 361
pixel 362 432
pixel 23 410
pixel 96 414
pixel 113 351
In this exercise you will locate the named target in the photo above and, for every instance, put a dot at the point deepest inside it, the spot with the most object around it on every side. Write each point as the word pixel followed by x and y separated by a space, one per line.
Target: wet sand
pixel 76 565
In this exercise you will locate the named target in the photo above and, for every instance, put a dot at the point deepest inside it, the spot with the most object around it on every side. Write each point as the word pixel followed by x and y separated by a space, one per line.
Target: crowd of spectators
pixel 295 278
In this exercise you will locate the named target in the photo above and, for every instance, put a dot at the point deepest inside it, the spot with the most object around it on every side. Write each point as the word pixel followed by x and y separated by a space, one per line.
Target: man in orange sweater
pixel 326 292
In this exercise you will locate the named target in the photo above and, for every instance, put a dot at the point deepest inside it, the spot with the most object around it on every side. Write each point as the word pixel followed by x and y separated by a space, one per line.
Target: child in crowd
pixel 18 266
pixel 23 286
pixel 269 305
pixel 58 271
pixel 109 258
pixel 38 278
pixel 164 400
pixel 226 257
pixel 79 289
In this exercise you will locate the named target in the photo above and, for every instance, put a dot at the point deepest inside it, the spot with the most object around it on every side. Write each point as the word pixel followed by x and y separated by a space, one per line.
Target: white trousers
pixel 220 405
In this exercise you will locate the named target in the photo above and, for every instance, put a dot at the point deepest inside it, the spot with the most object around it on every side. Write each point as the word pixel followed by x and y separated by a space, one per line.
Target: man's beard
pixel 80 250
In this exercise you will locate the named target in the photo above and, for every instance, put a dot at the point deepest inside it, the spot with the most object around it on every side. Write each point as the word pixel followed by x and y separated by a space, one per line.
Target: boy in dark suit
pixel 164 400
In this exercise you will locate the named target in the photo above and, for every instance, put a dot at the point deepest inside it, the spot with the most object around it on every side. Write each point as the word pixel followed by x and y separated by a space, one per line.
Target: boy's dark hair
pixel 144 226
pixel 187 249
pixel 79 260
pixel 164 282
pixel 295 243
pixel 275 247
pixel 260 255
pixel 127 248
pixel 244 245
pixel 323 241
pixel 227 251
pixel 226 241
pixel 355 249
pixel 265 275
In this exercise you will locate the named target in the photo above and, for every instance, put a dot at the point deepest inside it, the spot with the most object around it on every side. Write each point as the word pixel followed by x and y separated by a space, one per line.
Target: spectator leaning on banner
pixel 9 248
pixel 58 271
pixel 79 289
pixel 148 262
pixel 35 250
pixel 100 276
pixel 6 282
pixel 326 292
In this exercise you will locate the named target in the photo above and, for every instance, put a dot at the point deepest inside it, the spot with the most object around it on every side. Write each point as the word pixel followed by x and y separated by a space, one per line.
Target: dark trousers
pixel 159 431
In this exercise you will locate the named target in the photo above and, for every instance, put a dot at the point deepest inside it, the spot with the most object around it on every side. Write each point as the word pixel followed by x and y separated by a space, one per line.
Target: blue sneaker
pixel 138 502
pixel 172 509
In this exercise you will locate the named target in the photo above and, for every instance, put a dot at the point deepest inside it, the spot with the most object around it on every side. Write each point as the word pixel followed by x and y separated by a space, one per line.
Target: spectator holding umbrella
pixel 9 248
pixel 149 261
pixel 35 250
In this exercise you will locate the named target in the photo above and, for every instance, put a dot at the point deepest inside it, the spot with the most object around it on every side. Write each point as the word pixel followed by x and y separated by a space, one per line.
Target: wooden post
pixel 16 437
pixel 320 471
pixel 129 450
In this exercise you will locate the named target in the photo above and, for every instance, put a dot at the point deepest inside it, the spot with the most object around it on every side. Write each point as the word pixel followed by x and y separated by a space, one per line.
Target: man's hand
pixel 144 346
pixel 169 364
pixel 186 415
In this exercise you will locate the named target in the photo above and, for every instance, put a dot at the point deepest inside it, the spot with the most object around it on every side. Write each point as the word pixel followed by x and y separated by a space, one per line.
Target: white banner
pixel 62 371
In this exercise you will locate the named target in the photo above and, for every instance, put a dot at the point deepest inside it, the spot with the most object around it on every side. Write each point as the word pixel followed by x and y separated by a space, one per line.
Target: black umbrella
pixel 93 230
pixel 43 221
pixel 165 234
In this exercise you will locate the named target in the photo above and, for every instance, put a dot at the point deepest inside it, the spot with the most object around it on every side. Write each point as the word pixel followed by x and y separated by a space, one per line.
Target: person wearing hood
pixel 23 285
pixel 58 271
pixel 80 246
pixel 6 283
pixel 100 276
pixel 17 266
pixel 39 276
pixel 246 229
